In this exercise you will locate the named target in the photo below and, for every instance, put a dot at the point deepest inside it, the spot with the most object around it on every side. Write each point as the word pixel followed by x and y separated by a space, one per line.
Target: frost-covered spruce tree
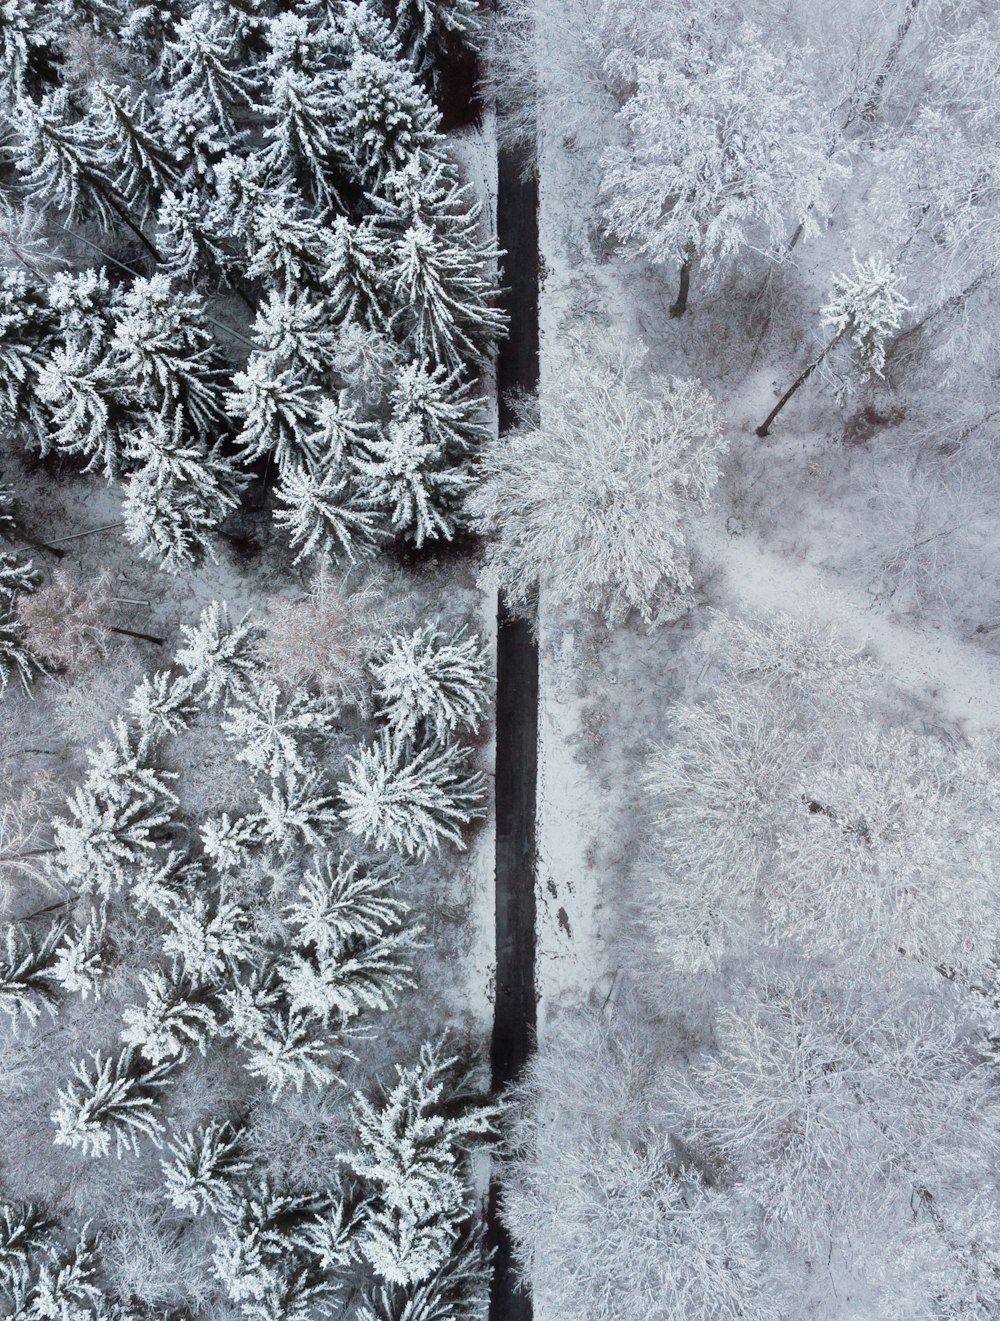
pixel 63 1284
pixel 282 241
pixel 26 329
pixel 275 734
pixel 326 516
pixel 276 407
pixel 203 63
pixel 82 956
pixel 25 1232
pixel 177 493
pixel 592 504
pixel 353 949
pixel 28 36
pixel 113 1099
pixel 78 385
pixel 298 330
pixel 407 800
pixel 300 105
pixel 16 660
pixel 27 972
pixel 355 255
pixel 114 815
pixel 218 656
pixel 208 937
pixel 865 309
pixel 285 1048
pixel 411 1150
pixel 17 577
pixel 162 704
pixel 431 31
pixel 266 1262
pixel 128 145
pixel 166 352
pixel 412 481
pixel 300 812
pixel 186 244
pixel 58 159
pixel 441 284
pixel 204 1167
pixel 430 683
pixel 445 406
pixel 178 1015
pixel 386 121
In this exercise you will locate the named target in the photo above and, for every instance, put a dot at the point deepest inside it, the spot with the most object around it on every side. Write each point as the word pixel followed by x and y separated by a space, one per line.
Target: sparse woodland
pixel 769 237
pixel 247 312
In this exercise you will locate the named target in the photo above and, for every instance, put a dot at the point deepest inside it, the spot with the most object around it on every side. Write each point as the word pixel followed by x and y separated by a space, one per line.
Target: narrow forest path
pixel 517 720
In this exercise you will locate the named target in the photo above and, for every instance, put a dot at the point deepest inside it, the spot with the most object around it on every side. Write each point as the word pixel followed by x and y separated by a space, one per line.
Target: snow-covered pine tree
pixel 16 661
pixel 77 384
pixel 196 144
pixel 166 352
pixel 129 149
pixel 25 1232
pixel 865 309
pixel 65 1286
pixel 26 329
pixel 441 284
pixel 204 63
pixel 265 1262
pixel 205 1165
pixel 336 904
pixel 300 106
pixel 28 36
pixel 27 972
pixel 188 247
pixel 411 1149
pixel 164 881
pixel 178 1015
pixel 353 947
pixel 277 734
pixel 17 576
pixel 297 330
pixel 431 31
pixel 228 841
pixel 177 494
pixel 219 656
pixel 111 1099
pixel 276 407
pixel 411 479
pixel 326 514
pixel 386 121
pixel 8 511
pixel 283 1048
pixel 432 684
pixel 283 244
pixel 162 704
pixel 58 159
pixel 114 815
pixel 81 959
pixel 208 938
pixel 407 800
pixel 449 412
pixel 355 256
pixel 299 813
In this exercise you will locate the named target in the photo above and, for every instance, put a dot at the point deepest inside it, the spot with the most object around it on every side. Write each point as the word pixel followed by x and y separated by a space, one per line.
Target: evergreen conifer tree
pixel 26 329
pixel 128 147
pixel 205 1165
pixel 27 972
pixel 275 733
pixel 431 684
pixel 178 1015
pixel 110 1099
pixel 407 800
pixel 218 655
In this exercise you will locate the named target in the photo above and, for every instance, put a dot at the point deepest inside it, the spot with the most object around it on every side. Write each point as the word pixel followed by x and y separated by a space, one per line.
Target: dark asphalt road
pixel 517 721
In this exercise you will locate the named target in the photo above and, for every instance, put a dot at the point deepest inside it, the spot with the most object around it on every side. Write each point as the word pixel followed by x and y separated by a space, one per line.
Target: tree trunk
pixel 39 545
pixel 800 380
pixel 143 637
pixel 873 101
pixel 680 306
